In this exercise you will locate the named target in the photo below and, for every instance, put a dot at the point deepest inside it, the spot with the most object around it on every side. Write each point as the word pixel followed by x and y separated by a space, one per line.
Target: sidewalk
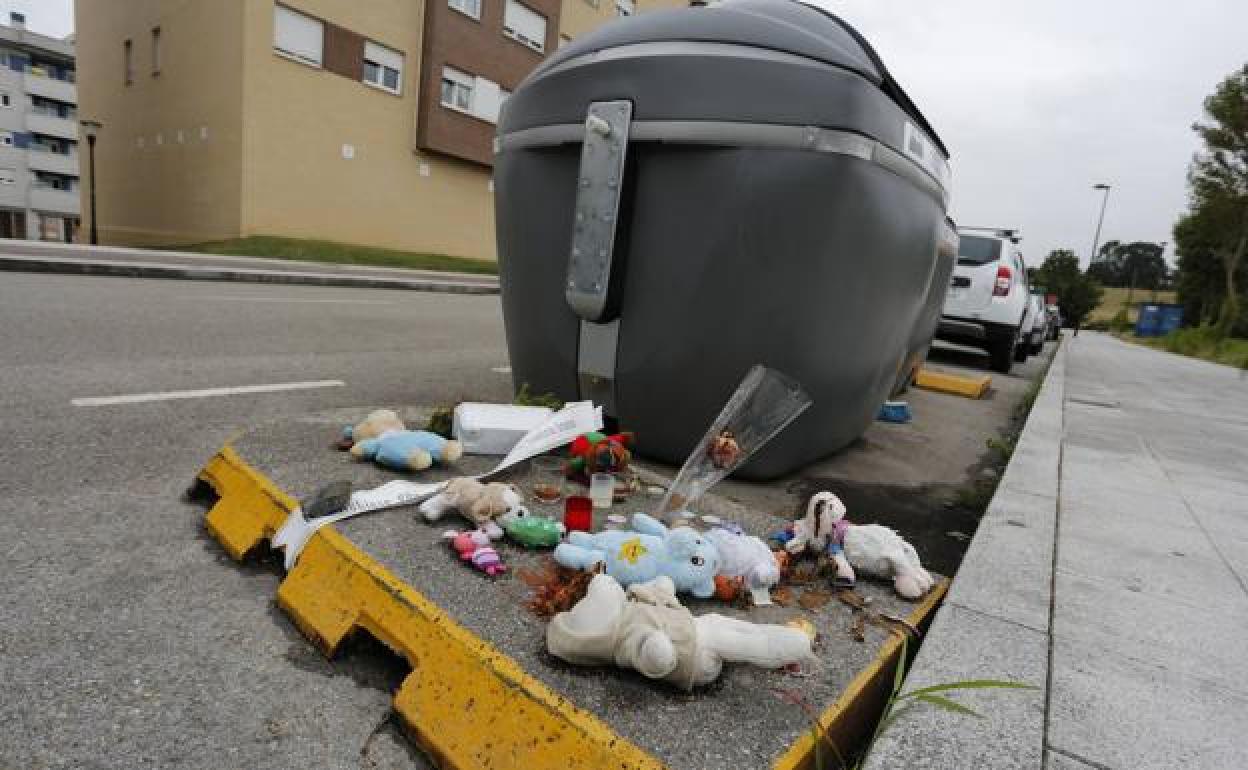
pixel 79 259
pixel 1119 590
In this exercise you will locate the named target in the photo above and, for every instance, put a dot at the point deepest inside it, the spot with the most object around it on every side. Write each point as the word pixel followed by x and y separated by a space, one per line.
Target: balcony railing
pixel 39 159
pixel 52 200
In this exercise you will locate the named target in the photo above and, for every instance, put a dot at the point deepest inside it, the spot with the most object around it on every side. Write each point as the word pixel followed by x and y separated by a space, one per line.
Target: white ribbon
pixel 559 429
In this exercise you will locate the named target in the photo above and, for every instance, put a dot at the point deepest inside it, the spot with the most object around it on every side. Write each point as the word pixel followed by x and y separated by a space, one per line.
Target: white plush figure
pixel 647 629
pixel 482 504
pixel 870 548
pixel 748 557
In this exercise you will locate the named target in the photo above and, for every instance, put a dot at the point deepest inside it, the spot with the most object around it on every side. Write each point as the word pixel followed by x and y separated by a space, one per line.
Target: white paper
pixel 559 429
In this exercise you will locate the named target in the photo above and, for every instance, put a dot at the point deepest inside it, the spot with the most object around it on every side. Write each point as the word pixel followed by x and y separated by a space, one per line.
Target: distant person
pixel 1077 327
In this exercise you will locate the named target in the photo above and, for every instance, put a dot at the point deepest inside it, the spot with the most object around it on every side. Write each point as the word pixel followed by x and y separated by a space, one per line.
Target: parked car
pixel 1039 324
pixel 989 304
pixel 1055 321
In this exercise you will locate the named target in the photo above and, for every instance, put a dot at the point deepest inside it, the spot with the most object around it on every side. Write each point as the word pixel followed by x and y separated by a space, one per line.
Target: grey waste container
pixel 929 317
pixel 683 194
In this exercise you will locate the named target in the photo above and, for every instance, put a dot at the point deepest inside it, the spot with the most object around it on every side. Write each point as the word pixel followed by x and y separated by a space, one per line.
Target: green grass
pixel 1112 302
pixel 1199 342
pixel 340 253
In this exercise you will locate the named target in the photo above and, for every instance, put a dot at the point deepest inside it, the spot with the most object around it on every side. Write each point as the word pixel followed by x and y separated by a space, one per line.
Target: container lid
pixel 789 26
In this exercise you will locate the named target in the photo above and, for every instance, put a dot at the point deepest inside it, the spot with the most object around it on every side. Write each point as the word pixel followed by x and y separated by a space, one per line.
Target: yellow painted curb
pixel 848 722
pixel 941 382
pixel 465 702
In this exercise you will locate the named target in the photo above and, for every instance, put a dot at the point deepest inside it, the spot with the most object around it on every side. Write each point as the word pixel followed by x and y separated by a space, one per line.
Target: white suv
pixel 1039 324
pixel 989 304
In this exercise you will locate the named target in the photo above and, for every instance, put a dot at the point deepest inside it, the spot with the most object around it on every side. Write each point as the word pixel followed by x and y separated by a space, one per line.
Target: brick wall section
pixel 478 48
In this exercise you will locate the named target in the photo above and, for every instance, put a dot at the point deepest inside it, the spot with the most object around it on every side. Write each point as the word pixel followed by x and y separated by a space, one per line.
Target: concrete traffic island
pixel 483 691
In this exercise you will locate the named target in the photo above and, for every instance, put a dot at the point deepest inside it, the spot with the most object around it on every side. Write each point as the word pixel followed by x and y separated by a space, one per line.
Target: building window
pixel 155 50
pixel 129 54
pixel 467 7
pixel 383 67
pixel 524 25
pixel 6 138
pixel 8 176
pixel 625 7
pixel 5 99
pixel 457 89
pixel 298 36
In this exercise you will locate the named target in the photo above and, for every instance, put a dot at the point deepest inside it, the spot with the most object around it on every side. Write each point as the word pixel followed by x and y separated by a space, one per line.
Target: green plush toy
pixel 532 531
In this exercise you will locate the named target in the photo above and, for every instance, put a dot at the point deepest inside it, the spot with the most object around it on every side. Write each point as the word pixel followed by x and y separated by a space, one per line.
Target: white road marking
pixel 501 370
pixel 138 398
pixel 244 298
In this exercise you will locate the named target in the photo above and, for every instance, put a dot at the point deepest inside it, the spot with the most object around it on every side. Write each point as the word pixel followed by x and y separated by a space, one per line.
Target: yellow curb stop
pixel 942 382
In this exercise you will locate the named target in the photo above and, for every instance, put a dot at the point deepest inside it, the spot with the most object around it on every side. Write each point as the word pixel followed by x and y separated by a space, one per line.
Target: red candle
pixel 578 513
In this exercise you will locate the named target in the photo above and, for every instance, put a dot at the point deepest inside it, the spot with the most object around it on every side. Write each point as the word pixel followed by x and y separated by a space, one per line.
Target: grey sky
pixel 1036 100
pixel 54 18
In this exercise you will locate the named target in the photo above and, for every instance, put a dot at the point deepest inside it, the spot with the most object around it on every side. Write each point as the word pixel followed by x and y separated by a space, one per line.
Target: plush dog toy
pixel 382 437
pixel 870 548
pixel 474 546
pixel 747 560
pixel 596 452
pixel 481 504
pixel 647 629
pixel 650 550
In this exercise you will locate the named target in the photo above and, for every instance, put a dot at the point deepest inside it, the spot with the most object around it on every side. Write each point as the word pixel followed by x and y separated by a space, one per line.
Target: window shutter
pixel 386 57
pixel 526 23
pixel 297 34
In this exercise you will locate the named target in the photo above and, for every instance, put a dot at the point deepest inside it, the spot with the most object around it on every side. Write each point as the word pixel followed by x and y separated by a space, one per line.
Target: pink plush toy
pixel 474 546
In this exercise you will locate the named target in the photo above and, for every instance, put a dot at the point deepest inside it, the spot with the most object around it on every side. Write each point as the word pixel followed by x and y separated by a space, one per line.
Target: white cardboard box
pixel 493 429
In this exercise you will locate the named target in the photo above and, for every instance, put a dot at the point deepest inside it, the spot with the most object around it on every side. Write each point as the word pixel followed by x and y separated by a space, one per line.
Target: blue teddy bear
pixel 382 437
pixel 647 552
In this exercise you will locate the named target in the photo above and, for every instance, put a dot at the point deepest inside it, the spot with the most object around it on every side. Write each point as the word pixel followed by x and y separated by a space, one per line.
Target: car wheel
pixel 1021 349
pixel 1002 352
pixel 1038 345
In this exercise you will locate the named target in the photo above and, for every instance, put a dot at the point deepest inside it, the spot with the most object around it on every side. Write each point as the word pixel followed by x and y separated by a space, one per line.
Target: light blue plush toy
pixel 382 437
pixel 650 550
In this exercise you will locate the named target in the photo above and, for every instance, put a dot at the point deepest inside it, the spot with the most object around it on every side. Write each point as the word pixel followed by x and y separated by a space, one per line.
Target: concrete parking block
pixel 953 384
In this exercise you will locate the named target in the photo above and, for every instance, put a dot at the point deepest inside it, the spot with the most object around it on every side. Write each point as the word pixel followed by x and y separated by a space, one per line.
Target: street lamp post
pixel 1096 239
pixel 91 128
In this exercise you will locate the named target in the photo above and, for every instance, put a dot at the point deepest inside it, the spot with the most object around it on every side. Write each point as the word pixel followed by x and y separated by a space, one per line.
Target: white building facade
pixel 39 177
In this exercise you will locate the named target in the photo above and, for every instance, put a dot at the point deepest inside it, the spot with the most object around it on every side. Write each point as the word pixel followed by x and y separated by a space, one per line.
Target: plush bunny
pixel 474 546
pixel 381 437
pixel 871 548
pixel 747 559
pixel 482 504
pixel 647 629
pixel 650 550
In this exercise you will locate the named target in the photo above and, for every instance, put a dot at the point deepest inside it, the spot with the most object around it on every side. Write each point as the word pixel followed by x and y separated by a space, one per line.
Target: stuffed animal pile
pixel 651 550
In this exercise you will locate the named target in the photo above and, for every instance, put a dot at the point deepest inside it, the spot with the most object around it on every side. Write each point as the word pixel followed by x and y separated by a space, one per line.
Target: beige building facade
pixel 229 118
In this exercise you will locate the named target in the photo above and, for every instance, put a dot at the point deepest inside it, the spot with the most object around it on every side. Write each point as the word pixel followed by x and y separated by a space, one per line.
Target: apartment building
pixel 367 123
pixel 38 135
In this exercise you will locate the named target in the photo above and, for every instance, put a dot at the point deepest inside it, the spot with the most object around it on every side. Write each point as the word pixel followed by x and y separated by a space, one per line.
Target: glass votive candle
pixel 578 513
pixel 546 478
pixel 602 489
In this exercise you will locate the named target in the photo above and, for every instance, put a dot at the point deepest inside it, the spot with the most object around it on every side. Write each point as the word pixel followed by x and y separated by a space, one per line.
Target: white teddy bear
pixel 870 548
pixel 647 629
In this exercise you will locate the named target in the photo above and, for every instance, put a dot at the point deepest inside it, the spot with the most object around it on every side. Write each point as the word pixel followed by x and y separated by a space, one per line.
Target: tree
pixel 1217 222
pixel 1137 265
pixel 1077 293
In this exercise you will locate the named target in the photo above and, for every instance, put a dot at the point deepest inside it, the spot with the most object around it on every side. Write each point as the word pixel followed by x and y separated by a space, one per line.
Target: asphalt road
pixel 127 638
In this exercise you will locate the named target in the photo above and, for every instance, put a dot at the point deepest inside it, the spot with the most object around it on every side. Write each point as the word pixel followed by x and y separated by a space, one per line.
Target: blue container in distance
pixel 1148 324
pixel 1171 318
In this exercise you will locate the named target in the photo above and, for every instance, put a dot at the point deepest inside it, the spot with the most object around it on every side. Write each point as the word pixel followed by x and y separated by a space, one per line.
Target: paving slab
pixel 963 644
pixel 1122 712
pixel 295 456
